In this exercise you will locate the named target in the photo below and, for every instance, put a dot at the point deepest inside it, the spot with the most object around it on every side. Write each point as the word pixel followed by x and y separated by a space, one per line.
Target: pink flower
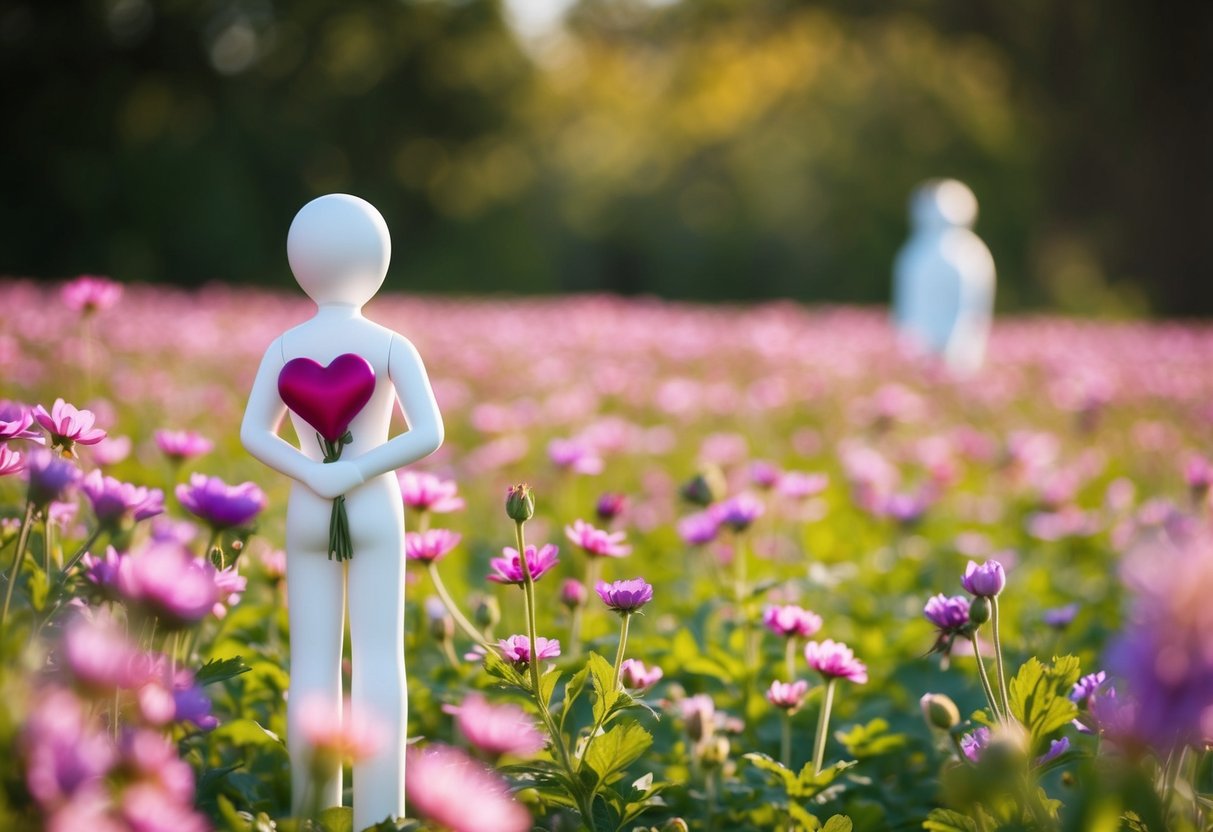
pixel 835 660
pixel 790 620
pixel 572 593
pixel 454 791
pixel 180 445
pixel 67 425
pixel 496 729
pixel 166 579
pixel 427 492
pixel 230 585
pixel 575 455
pixel 16 422
pixel 699 528
pixel 341 734
pixel 65 750
pixel 788 695
pixel 102 571
pixel 625 597
pixel 102 658
pixel 797 486
pixel 596 542
pixel 10 461
pixel 116 503
pixel 273 562
pixel 111 450
pixel 517 648
pixel 90 293
pixel 508 569
pixel 638 677
pixel 431 545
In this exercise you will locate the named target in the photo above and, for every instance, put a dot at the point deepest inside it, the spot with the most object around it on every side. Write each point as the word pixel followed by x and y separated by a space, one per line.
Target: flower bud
pixel 706 487
pixel 715 752
pixel 939 711
pixel 572 593
pixel 676 825
pixel 610 505
pixel 441 625
pixel 520 503
pixel 979 610
pixel 487 612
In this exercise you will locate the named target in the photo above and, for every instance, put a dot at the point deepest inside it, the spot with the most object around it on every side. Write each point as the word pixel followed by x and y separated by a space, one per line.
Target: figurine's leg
pixel 315 593
pixel 376 591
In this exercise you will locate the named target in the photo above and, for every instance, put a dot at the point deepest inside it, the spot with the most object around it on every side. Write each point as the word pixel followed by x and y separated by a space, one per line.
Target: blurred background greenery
pixel 704 148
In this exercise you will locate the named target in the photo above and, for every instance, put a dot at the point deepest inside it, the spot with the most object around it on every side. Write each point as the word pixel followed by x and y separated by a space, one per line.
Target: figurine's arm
pixel 425 432
pixel 259 430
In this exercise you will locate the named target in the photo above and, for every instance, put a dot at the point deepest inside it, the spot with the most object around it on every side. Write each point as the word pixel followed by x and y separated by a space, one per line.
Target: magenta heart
pixel 327 398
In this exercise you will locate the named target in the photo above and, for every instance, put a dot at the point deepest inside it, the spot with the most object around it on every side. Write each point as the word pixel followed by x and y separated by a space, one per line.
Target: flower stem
pixel 785 741
pixel 823 725
pixel 985 680
pixel 789 658
pixel 998 664
pixel 465 625
pixel 82 551
pixel 48 545
pixel 15 569
pixel 623 641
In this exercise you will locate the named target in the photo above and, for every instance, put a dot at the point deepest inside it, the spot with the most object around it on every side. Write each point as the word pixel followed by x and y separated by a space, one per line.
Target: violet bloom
pixel 790 620
pixel 638 677
pixel 455 792
pixel 102 571
pixel 610 505
pixel 1061 617
pixel 517 648
pixel 101 657
pixel 788 695
pixel 116 503
pixel 699 528
pixel 1056 749
pixel 575 455
pixel 220 505
pixel 496 729
pixel 423 491
pixel 835 660
pixel 974 743
pixel 738 512
pixel 16 422
pixel 764 474
pixel 180 445
pixel 1086 687
pixel 191 704
pixel 10 461
pixel 596 542
pixel 431 545
pixel 90 293
pixel 986 580
pixel 66 751
pixel 508 569
pixel 573 593
pixel 49 476
pixel 625 597
pixel 68 426
pixel 169 582
pixel 950 615
pixel 1198 474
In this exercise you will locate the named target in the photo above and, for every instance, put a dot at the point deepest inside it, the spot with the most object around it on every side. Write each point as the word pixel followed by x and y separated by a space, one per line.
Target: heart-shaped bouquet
pixel 328 399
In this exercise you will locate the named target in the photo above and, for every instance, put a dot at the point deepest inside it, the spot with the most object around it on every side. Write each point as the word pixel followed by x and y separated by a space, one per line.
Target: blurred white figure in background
pixel 943 278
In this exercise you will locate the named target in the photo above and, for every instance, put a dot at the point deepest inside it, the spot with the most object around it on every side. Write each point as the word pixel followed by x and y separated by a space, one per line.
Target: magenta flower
pixel 102 658
pixel 111 450
pixel 986 580
pixel 431 545
pixel 220 505
pixel 103 571
pixel 596 542
pixel 49 476
pixel 764 474
pixel 974 743
pixel 950 615
pixel 90 293
pixel 574 455
pixel 496 729
pixel 455 792
pixel 610 505
pixel 10 461
pixel 699 528
pixel 168 581
pixel 180 445
pixel 625 597
pixel 572 593
pixel 1086 687
pixel 790 620
pixel 66 752
pixel 835 660
pixel 517 648
pixel 738 512
pixel 638 677
pixel 115 503
pixel 797 486
pixel 230 585
pixel 1056 749
pixel 67 425
pixel 508 569
pixel 788 695
pixel 426 492
pixel 16 422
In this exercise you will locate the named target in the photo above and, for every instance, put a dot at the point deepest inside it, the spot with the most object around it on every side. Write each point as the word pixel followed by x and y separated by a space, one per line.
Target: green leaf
pixel 609 754
pixel 337 819
pixel 39 589
pixel 602 675
pixel 218 670
pixel 230 819
pixel 838 823
pixel 782 774
pixel 575 686
pixel 499 668
pixel 946 820
pixel 547 685
pixel 803 816
pixel 247 732
pixel 1040 697
pixel 606 816
pixel 871 740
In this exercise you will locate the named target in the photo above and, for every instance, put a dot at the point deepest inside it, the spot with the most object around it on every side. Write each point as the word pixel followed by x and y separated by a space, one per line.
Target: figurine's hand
pixel 332 479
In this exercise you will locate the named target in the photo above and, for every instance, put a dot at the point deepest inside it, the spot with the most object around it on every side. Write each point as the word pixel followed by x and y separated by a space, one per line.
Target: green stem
pixel 465 625
pixel 82 551
pixel 789 658
pixel 985 680
pixel 211 546
pixel 623 641
pixel 823 725
pixel 48 546
pixel 1171 775
pixel 18 555
pixel 998 664
pixel 785 741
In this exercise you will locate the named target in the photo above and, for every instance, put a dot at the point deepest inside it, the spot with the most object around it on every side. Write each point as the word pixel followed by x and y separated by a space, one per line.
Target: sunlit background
pixel 714 149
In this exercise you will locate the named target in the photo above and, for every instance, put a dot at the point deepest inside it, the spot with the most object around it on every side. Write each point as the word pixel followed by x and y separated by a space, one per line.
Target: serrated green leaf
pixel 337 819
pixel 870 740
pixel 946 820
pixel 838 823
pixel 782 774
pixel 607 755
pixel 575 686
pixel 602 674
pixel 218 670
pixel 807 820
pixel 1039 697
pixel 499 668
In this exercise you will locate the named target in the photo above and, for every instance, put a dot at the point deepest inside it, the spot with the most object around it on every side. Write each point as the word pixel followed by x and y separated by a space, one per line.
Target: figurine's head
pixel 942 202
pixel 339 249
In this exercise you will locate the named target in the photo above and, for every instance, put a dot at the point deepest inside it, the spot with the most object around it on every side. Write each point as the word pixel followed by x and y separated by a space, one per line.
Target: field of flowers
pixel 778 574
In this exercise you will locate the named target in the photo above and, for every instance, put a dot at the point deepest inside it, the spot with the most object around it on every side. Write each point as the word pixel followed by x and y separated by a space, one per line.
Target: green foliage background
pixel 703 148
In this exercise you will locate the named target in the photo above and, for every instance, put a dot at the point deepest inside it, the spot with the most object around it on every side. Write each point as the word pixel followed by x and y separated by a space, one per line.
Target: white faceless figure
pixel 339 248
pixel 943 279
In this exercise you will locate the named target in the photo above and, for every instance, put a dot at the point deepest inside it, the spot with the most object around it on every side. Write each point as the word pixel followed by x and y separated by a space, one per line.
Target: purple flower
pixel 10 461
pixel 572 593
pixel 950 615
pixel 180 445
pixel 596 542
pixel 738 512
pixel 788 695
pixel 610 505
pixel 111 450
pixel 1086 687
pixel 764 474
pixel 220 505
pixel 496 729
pixel 102 571
pixel 797 486
pixel 574 455
pixel 638 677
pixel 1198 474
pixel 458 793
pixel 975 742
pixel 790 620
pixel 116 502
pixel 49 476
pixel 625 597
pixel 517 648
pixel 835 660
pixel 66 752
pixel 699 528
pixel 90 293
pixel 986 580
pixel 508 569
pixel 101 658
pixel 1061 617
pixel 431 545
pixel 422 491
pixel 16 422
pixel 230 585
pixel 167 580
pixel 191 704
pixel 67 425
pixel 1056 749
